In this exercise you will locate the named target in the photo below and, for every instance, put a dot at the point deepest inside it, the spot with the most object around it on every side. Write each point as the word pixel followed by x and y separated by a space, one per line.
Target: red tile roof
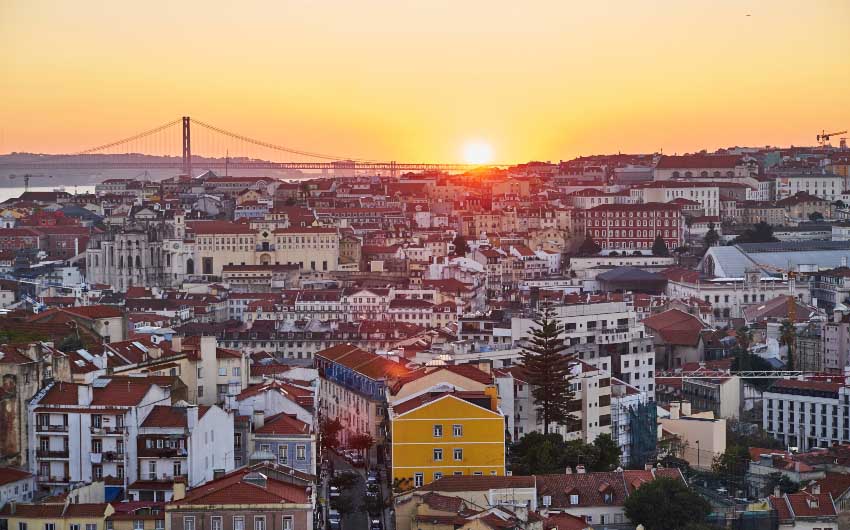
pixel 284 424
pixel 170 416
pixel 676 327
pixel 369 364
pixel 468 371
pixel 698 162
pixel 11 474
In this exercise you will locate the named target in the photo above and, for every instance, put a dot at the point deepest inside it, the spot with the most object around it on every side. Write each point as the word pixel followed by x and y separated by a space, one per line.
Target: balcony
pixel 108 431
pixel 112 456
pixel 51 428
pixel 46 454
pixel 162 452
pixel 44 479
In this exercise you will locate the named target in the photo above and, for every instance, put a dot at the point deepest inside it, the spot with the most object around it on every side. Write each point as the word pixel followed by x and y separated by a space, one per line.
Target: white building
pixel 186 441
pixel 829 187
pixel 16 485
pixel 87 432
pixel 807 414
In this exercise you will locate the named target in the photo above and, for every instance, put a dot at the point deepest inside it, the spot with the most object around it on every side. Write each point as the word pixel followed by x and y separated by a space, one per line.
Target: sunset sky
pixel 420 80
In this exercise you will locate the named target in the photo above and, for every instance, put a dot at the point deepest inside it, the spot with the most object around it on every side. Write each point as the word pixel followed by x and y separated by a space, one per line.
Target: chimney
pixel 12 507
pixel 191 417
pixel 580 469
pixel 674 411
pixel 485 366
pixel 686 408
pixel 777 492
pixel 816 489
pixel 259 419
pixel 177 343
pixel 568 471
pixel 84 395
pixel 844 261
pixel 647 467
pixel 178 490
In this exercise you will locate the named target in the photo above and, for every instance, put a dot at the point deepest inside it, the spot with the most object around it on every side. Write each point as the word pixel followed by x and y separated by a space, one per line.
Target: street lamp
pixel 697 453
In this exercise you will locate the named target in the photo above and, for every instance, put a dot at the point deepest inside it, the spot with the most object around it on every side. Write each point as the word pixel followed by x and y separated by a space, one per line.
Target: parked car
pixel 357 460
pixel 334 492
pixel 334 520
pixel 375 524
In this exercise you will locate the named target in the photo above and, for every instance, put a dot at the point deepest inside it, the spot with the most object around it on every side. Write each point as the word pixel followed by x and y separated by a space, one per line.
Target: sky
pixel 423 80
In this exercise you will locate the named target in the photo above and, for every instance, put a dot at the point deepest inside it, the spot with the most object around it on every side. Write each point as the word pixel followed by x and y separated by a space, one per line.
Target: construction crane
pixel 27 178
pixel 824 136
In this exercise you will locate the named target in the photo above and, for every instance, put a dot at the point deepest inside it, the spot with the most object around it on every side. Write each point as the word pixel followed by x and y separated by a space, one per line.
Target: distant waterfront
pixel 9 193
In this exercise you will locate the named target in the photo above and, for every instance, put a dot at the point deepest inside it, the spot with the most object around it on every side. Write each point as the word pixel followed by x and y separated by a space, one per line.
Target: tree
pixel 613 253
pixel 589 247
pixel 659 247
pixel 609 453
pixel 815 216
pixel 788 337
pixel 840 204
pixel 548 370
pixel 666 504
pixel 637 253
pixel 71 343
pixel 761 232
pixel 329 431
pixel 732 466
pixel 786 485
pixel 711 237
pixel 745 338
pixel 461 246
pixel 538 454
pixel 362 442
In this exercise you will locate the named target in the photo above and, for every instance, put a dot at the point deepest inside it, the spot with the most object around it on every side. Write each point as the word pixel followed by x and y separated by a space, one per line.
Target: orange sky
pixel 416 80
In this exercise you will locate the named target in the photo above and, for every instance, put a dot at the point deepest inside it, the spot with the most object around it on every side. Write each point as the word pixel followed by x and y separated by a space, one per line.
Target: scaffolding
pixel 643 424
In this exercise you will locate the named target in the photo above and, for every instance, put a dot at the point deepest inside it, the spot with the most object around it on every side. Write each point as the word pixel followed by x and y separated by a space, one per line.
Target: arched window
pixel 190 266
pixel 120 262
pixel 716 173
pixel 96 260
pixel 675 174
pixel 168 259
pixel 703 174
pixel 138 262
pixel 688 174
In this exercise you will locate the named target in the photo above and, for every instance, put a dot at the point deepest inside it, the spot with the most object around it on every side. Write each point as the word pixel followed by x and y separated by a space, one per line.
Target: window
pixel 478 473
pixel 177 468
pixel 438 475
pixel 418 480
pixel 138 525
pixel 91 526
pixel 259 522
pixel 49 526
pixel 222 371
pixel 238 522
pixel 159 524
pixel 217 523
pixel 236 371
pixel 287 523
pixel 188 522
pixel 458 454
pixel 75 527
pixel 438 455
pixel 301 452
pixel 22 526
pixel 547 500
pixel 438 431
pixel 457 430
pixel 573 499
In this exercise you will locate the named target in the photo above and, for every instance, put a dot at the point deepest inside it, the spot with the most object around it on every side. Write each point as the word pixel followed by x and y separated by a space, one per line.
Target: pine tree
pixel 589 247
pixel 659 247
pixel 548 370
pixel 788 337
pixel 711 237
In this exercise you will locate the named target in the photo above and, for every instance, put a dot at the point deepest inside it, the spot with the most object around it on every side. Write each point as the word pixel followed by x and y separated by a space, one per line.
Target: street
pixel 354 497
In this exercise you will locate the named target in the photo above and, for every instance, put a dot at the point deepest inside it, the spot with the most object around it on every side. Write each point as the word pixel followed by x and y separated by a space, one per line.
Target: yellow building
pixel 437 434
pixel 66 516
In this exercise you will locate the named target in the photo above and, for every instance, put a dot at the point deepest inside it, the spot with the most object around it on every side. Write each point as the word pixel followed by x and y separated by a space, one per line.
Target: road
pixel 358 519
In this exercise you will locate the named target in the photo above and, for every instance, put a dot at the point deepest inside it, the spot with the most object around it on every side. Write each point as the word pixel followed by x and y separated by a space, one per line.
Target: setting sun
pixel 477 152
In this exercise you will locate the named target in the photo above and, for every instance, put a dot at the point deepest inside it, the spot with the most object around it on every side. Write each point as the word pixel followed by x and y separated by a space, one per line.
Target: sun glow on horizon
pixel 477 152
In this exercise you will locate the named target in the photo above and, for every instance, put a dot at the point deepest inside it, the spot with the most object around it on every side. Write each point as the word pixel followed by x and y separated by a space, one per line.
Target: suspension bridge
pixel 178 145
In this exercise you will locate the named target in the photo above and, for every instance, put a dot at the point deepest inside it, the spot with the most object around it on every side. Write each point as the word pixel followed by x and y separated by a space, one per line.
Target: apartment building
pixel 88 432
pixel 446 433
pixel 635 226
pixel 186 442
pixel 807 414
pixel 825 186
pixel 702 166
pixel 706 194
pixel 352 389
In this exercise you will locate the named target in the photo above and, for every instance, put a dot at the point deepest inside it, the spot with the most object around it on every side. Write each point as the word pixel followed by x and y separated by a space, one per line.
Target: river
pixel 10 193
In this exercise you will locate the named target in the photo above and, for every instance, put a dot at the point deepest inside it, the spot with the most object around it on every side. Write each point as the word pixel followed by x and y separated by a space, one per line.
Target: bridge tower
pixel 187 146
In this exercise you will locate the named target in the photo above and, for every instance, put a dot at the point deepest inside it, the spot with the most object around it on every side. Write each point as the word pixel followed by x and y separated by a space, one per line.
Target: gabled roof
pixel 284 424
pixel 676 327
pixel 371 365
pixel 468 371
pixel 11 474
pixel 170 416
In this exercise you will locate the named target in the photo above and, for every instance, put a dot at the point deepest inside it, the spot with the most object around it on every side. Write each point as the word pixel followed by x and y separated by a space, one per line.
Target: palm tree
pixel 788 337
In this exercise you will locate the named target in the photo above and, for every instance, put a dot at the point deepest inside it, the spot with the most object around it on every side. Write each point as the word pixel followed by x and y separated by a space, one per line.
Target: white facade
pixel 807 415
pixel 829 187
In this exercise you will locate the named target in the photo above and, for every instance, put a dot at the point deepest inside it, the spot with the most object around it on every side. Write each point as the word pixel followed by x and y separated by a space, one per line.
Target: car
pixel 334 520
pixel 334 492
pixel 371 476
pixel 348 454
pixel 356 460
pixel 375 524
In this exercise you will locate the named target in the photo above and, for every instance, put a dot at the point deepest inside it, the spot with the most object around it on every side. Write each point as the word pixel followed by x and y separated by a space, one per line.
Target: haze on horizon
pixel 418 81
